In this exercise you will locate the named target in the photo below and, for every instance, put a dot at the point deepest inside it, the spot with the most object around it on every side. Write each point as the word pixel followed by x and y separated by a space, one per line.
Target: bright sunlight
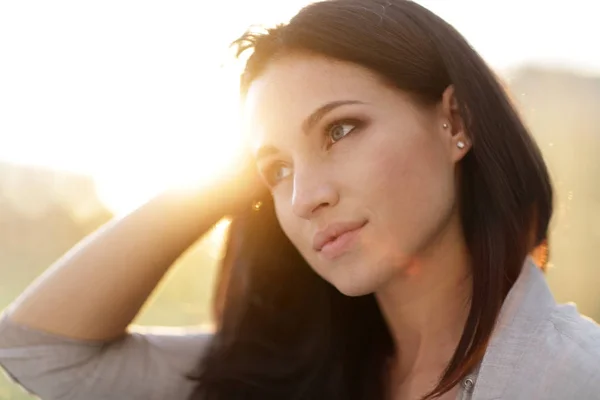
pixel 139 95
pixel 143 95
pixel 105 103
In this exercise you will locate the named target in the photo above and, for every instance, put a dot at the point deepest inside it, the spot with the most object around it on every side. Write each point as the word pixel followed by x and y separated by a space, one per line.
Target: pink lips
pixel 337 238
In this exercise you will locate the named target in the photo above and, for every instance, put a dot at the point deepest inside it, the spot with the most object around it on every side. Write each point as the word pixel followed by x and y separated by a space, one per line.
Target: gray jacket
pixel 539 350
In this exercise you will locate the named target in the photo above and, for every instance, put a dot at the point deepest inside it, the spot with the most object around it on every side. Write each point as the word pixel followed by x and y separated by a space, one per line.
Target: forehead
pixel 295 85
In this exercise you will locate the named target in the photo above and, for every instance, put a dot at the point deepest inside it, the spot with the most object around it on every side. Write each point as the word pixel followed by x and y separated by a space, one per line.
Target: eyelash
pixel 356 124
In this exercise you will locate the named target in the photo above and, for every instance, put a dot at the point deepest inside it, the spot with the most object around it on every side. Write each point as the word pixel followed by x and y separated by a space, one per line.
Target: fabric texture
pixel 539 350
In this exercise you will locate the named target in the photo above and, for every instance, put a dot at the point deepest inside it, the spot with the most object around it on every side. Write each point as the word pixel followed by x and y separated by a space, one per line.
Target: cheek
pixel 408 183
pixel 414 172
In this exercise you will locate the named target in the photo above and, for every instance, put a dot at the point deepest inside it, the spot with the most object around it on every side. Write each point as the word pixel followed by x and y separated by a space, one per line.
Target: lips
pixel 330 234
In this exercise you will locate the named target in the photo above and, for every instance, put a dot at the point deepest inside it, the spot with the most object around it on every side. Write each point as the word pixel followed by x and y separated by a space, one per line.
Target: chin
pixel 366 277
pixel 355 285
pixel 353 290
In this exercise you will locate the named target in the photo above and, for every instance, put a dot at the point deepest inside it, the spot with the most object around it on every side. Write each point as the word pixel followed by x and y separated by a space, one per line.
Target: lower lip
pixel 340 245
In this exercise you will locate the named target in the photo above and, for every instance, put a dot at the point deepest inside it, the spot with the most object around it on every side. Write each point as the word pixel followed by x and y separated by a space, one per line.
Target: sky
pixel 143 94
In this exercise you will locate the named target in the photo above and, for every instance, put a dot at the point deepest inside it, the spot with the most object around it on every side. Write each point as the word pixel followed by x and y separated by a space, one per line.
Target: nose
pixel 313 191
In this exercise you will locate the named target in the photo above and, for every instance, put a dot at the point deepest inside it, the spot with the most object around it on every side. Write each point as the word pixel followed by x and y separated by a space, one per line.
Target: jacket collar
pixel 525 309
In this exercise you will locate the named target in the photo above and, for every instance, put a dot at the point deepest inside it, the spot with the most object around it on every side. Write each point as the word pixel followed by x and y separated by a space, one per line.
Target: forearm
pixel 96 289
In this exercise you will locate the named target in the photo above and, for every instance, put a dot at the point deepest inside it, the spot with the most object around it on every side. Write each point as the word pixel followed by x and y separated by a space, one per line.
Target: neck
pixel 426 307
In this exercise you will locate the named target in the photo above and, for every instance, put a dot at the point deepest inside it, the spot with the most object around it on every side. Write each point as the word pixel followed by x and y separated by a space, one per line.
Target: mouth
pixel 337 239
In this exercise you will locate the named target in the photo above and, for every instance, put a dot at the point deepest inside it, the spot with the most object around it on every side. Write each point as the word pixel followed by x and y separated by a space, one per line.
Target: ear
pixel 453 126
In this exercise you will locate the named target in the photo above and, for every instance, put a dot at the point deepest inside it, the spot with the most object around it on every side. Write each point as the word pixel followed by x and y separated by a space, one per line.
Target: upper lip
pixel 333 231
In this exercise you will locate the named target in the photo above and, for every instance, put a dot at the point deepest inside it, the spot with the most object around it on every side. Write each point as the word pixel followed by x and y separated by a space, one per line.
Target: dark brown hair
pixel 285 333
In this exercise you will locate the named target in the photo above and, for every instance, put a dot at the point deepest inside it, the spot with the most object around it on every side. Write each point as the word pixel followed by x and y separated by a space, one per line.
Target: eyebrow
pixel 265 151
pixel 309 123
pixel 317 115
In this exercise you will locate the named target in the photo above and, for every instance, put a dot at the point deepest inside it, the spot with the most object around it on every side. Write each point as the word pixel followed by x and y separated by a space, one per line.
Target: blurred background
pixel 103 104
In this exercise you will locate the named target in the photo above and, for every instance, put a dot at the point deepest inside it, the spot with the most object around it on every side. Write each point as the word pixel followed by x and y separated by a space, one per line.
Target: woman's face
pixel 362 177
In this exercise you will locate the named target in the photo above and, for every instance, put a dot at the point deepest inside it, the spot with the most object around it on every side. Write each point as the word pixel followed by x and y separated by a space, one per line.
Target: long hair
pixel 285 333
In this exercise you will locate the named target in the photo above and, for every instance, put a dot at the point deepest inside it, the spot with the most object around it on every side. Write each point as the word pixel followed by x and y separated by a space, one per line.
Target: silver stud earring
pixel 445 126
pixel 460 144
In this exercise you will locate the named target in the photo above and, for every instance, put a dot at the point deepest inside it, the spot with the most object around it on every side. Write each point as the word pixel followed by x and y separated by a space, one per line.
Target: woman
pixel 390 260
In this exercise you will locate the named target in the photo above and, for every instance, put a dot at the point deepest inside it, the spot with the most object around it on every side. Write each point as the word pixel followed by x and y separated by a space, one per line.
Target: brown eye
pixel 339 130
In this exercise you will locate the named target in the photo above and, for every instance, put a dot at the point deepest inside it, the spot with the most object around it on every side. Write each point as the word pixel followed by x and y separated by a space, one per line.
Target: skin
pixel 384 160
pixel 114 270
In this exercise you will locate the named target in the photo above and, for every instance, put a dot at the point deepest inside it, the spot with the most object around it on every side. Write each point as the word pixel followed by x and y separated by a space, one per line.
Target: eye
pixel 339 130
pixel 275 173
